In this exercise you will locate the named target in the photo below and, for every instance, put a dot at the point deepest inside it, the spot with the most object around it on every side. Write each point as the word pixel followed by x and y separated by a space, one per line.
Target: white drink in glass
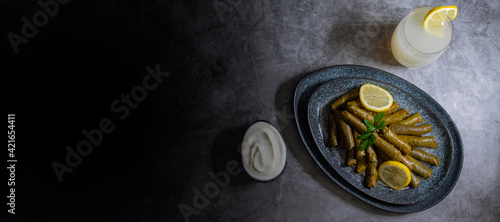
pixel 413 45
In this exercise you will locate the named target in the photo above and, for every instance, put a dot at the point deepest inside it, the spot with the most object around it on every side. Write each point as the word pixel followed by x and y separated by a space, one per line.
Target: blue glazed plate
pixel 312 98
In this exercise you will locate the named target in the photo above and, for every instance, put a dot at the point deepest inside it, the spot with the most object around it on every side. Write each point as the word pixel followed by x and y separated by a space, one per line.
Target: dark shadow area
pixel 372 41
pixel 226 149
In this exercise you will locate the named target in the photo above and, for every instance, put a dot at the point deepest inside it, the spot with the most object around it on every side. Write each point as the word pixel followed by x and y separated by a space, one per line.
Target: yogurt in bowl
pixel 263 152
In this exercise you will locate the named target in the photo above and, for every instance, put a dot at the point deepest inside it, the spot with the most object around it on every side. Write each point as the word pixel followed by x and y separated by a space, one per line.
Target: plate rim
pixel 420 206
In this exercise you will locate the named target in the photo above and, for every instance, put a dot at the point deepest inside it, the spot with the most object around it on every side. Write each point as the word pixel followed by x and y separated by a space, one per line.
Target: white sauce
pixel 263 151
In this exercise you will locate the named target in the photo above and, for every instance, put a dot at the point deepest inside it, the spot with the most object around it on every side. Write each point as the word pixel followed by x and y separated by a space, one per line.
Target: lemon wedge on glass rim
pixel 395 174
pixel 438 16
pixel 375 98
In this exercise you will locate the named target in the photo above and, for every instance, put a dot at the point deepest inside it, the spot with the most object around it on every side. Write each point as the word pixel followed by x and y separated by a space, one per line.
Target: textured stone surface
pixel 230 63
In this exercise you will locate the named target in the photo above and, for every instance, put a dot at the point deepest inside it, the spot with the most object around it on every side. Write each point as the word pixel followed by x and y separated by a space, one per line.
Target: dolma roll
pixel 359 153
pixel 333 129
pixel 372 155
pixel 360 113
pixel 392 109
pixel 419 168
pixel 419 141
pixel 424 156
pixel 407 162
pixel 351 95
pixel 346 131
pixel 412 120
pixel 410 129
pixel 391 137
pixel 354 103
pixel 362 164
pixel 387 148
pixel 351 159
pixel 353 121
pixel 382 157
pixel 371 176
pixel 415 181
pixel 396 117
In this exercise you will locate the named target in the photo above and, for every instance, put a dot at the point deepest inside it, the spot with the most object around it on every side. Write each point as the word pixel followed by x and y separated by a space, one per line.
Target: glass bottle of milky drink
pixel 414 45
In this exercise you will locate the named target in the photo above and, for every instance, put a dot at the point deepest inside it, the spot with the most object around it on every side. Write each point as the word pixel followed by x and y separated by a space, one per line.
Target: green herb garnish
pixel 367 137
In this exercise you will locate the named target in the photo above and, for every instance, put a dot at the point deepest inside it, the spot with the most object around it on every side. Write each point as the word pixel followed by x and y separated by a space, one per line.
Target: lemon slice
pixel 375 98
pixel 438 16
pixel 395 174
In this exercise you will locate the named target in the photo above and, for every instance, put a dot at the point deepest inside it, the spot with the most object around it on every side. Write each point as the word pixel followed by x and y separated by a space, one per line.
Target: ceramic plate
pixel 314 93
pixel 318 111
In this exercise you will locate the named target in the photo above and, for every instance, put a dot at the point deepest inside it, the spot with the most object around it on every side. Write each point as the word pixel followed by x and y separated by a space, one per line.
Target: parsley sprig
pixel 367 137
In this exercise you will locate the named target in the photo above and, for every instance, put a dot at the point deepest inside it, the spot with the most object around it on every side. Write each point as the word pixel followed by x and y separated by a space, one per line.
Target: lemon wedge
pixel 395 174
pixel 375 98
pixel 438 16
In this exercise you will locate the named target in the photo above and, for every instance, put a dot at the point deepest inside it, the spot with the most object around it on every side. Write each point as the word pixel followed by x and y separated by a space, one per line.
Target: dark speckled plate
pixel 312 98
